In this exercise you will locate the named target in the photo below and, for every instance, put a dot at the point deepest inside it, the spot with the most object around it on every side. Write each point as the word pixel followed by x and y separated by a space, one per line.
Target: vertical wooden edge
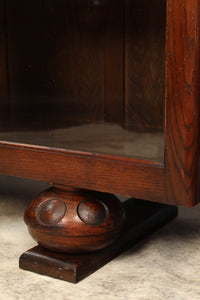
pixel 182 101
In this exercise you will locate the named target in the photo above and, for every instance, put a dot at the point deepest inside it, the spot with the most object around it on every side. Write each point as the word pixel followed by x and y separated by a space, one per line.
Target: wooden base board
pixel 142 218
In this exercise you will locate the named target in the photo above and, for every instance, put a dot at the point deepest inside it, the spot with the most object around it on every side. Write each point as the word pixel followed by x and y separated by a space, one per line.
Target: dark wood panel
pixel 114 64
pixel 122 176
pixel 145 64
pixel 58 53
pixel 4 105
pixel 182 103
pixel 56 62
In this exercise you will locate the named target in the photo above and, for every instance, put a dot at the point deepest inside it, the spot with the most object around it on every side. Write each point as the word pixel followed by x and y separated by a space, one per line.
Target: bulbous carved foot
pixel 73 220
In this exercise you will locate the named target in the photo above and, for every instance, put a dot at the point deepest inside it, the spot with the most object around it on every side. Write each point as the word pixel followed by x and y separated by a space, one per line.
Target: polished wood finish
pixel 106 173
pixel 142 218
pixel 65 219
pixel 182 101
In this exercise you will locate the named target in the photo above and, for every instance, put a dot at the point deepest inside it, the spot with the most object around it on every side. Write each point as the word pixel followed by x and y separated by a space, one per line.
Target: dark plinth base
pixel 142 218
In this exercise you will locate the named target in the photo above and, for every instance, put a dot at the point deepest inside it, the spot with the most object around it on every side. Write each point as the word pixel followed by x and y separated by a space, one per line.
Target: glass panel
pixel 84 75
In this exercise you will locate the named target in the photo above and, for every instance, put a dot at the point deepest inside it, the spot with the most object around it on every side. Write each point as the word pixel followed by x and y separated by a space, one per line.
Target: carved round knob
pixel 92 212
pixel 73 220
pixel 51 212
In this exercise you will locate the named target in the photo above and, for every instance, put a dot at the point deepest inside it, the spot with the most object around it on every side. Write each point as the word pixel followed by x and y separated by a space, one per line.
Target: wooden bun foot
pixel 86 221
pixel 70 220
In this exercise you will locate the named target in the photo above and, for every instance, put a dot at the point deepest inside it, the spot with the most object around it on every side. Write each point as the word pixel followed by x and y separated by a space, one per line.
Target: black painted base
pixel 142 218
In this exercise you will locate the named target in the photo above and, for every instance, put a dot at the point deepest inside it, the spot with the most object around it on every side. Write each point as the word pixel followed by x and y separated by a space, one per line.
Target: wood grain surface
pixel 72 63
pixel 145 26
pixel 66 63
pixel 182 101
pixel 49 44
pixel 114 64
pixel 72 220
pixel 105 173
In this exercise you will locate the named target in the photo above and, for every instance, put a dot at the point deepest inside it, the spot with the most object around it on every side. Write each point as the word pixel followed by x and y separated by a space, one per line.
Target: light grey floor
pixel 166 266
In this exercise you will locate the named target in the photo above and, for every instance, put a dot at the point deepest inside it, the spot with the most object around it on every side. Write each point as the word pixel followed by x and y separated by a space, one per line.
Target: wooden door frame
pixel 174 181
pixel 182 101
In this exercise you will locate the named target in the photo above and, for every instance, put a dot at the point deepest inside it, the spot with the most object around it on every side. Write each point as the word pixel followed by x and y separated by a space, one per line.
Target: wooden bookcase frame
pixel 173 182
